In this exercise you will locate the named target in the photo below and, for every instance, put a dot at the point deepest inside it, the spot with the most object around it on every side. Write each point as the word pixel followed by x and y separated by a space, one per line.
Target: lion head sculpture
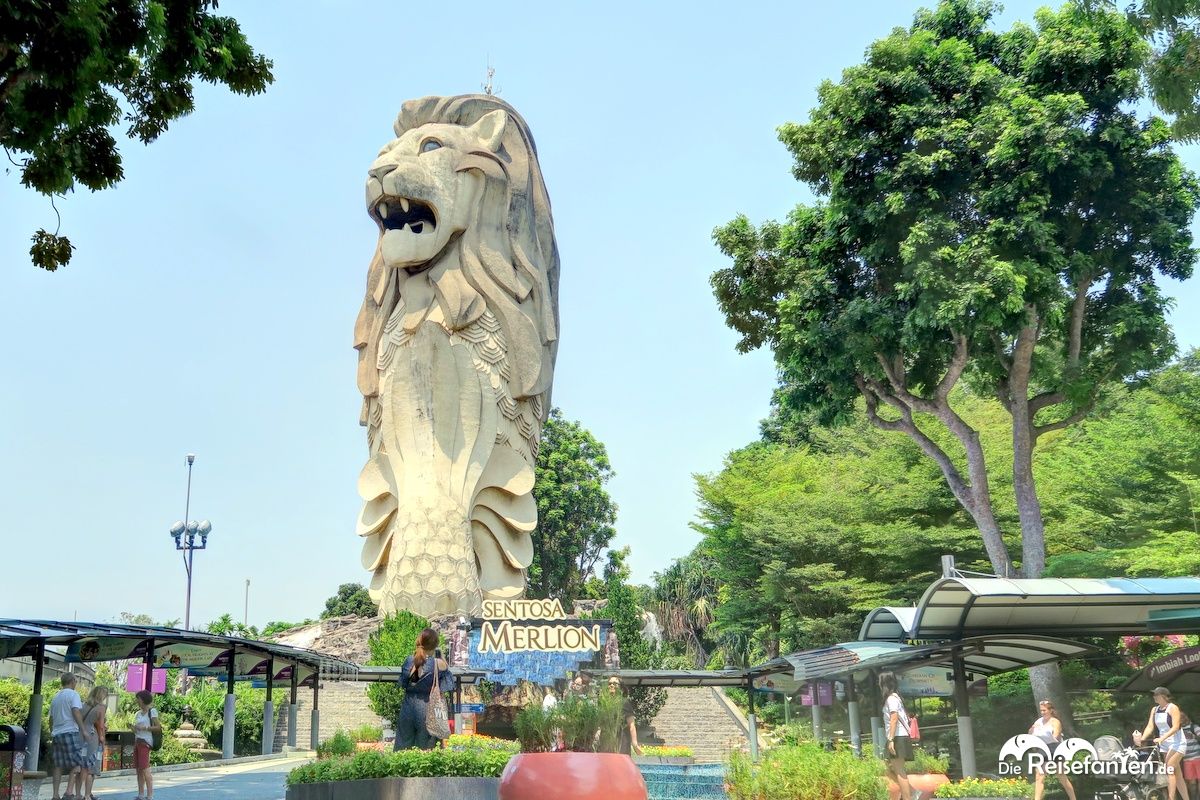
pixel 457 339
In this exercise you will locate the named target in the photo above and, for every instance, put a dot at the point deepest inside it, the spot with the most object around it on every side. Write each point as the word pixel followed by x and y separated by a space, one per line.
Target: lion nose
pixel 378 172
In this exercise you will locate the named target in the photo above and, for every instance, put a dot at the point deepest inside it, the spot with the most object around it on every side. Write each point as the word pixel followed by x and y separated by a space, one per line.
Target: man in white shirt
pixel 66 722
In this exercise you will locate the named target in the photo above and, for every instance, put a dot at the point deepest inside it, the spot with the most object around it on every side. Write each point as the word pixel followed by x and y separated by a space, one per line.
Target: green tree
pixel 278 626
pixel 395 641
pixel 351 598
pixel 636 653
pixel 1172 28
pixel 575 513
pixel 71 70
pixel 226 625
pixel 992 208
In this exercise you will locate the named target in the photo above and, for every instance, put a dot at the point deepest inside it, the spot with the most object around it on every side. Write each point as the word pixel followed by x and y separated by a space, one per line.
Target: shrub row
pixel 403 764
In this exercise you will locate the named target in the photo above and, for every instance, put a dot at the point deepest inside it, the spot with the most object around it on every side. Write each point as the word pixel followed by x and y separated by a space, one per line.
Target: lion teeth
pixel 404 204
pixel 382 209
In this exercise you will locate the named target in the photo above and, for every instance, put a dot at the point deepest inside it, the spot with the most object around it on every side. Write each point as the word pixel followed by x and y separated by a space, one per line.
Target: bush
pixel 340 744
pixel 390 645
pixel 806 771
pixel 924 761
pixel 404 764
pixel 982 787
pixel 535 729
pixel 173 752
pixel 462 741
pixel 367 733
pixel 208 714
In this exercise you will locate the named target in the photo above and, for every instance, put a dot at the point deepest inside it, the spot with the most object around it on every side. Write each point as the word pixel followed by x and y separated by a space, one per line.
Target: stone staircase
pixel 704 720
pixel 344 705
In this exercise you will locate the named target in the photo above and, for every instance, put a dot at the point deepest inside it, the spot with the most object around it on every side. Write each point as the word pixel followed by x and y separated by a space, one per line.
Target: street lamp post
pixel 185 535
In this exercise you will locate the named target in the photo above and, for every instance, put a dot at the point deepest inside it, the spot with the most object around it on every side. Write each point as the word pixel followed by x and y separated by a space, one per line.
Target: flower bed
pixel 982 787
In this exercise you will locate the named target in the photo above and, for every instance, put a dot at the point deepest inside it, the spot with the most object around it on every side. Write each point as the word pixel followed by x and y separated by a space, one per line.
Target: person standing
pixel 95 717
pixel 895 724
pixel 67 748
pixel 145 725
pixel 1048 728
pixel 627 744
pixel 416 678
pixel 1167 718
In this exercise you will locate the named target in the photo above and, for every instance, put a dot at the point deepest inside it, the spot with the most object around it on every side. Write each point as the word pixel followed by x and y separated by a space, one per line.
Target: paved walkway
pixel 255 781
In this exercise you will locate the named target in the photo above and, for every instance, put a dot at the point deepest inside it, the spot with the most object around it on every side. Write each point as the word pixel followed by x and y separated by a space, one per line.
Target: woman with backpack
pixel 146 728
pixel 896 725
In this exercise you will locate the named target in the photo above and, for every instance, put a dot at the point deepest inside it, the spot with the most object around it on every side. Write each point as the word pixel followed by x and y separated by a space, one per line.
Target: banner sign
pixel 135 679
pixel 105 649
pixel 1171 665
pixel 926 682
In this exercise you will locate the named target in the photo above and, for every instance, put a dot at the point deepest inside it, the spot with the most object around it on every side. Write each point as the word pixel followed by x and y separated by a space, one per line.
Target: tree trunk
pixel 1029 507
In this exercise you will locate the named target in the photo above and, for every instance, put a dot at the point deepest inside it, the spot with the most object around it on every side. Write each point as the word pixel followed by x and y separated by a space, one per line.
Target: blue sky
pixel 211 302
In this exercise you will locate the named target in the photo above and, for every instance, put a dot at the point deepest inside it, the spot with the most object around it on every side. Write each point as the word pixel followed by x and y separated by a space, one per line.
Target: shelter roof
pixel 463 675
pixel 981 656
pixel 674 677
pixel 201 653
pixel 959 607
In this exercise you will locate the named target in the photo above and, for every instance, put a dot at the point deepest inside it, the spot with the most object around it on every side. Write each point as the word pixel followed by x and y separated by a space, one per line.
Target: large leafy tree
pixel 351 598
pixel 70 70
pixel 990 209
pixel 1172 27
pixel 576 515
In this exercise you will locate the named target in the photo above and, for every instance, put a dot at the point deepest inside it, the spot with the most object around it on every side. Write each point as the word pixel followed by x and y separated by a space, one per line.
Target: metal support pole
pixel 878 738
pixel 268 731
pixel 816 717
pixel 293 708
pixel 753 722
pixel 228 733
pixel 962 707
pixel 852 711
pixel 148 665
pixel 187 509
pixel 33 745
pixel 314 735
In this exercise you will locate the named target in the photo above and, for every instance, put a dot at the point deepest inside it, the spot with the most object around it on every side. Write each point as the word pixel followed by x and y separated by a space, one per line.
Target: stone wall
pixel 343 704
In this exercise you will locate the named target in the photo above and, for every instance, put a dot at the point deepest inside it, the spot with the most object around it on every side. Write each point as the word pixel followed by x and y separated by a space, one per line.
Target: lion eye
pixel 429 145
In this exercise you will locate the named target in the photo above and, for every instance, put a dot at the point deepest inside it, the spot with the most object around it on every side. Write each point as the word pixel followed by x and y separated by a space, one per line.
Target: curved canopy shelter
pixel 957 607
pixel 203 654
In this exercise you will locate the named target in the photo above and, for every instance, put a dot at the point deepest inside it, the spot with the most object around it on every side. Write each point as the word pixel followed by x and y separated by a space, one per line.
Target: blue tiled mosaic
pixel 694 782
pixel 539 667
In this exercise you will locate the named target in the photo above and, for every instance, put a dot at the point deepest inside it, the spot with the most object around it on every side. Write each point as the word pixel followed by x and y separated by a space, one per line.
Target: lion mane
pixel 498 297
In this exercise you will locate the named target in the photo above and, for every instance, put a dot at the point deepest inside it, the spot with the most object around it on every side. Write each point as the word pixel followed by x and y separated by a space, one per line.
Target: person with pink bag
pixel 424 670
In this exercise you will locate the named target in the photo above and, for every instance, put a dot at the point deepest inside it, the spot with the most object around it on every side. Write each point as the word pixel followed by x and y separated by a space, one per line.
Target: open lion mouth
pixel 395 213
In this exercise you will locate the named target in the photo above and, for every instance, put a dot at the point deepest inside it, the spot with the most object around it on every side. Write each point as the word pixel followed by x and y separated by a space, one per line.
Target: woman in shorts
pixel 95 716
pixel 145 725
pixel 895 724
pixel 1166 718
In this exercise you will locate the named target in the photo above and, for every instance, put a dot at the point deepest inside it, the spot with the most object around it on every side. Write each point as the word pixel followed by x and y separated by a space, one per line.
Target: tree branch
pixel 1075 334
pixel 1066 422
pixel 958 363
pixel 1045 400
pixel 873 391
pixel 1001 354
pixel 895 375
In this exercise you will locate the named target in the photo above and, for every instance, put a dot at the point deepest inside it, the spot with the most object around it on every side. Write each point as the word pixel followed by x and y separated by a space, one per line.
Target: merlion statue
pixel 456 343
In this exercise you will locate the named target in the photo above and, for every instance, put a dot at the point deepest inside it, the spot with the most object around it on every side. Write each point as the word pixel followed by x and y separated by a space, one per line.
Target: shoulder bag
pixel 437 719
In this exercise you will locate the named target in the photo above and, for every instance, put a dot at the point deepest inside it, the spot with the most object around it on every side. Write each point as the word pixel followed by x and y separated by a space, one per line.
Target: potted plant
pixel 570 752
pixel 973 788
pixel 926 772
